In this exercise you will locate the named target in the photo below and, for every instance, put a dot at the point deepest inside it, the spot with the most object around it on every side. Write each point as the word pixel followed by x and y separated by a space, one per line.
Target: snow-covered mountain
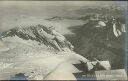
pixel 24 53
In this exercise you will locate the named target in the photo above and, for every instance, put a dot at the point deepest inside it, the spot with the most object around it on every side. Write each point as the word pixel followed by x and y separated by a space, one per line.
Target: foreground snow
pixel 36 61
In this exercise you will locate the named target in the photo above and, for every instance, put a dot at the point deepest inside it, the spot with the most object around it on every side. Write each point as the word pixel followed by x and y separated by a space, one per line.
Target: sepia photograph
pixel 63 40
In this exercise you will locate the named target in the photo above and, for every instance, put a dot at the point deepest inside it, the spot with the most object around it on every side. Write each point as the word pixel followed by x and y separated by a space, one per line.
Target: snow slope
pixel 36 60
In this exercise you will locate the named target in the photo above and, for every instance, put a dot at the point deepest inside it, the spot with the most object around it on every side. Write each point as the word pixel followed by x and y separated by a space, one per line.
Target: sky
pixel 59 3
pixel 12 10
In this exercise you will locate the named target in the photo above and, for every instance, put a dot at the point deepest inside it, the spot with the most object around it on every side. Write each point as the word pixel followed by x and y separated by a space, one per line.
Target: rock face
pixel 35 59
pixel 92 42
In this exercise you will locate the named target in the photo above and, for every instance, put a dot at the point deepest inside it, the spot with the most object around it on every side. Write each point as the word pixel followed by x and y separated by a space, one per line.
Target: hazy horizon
pixel 12 10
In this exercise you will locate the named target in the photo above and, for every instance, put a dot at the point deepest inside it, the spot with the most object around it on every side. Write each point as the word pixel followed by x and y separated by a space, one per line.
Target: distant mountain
pixel 55 18
pixel 106 10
